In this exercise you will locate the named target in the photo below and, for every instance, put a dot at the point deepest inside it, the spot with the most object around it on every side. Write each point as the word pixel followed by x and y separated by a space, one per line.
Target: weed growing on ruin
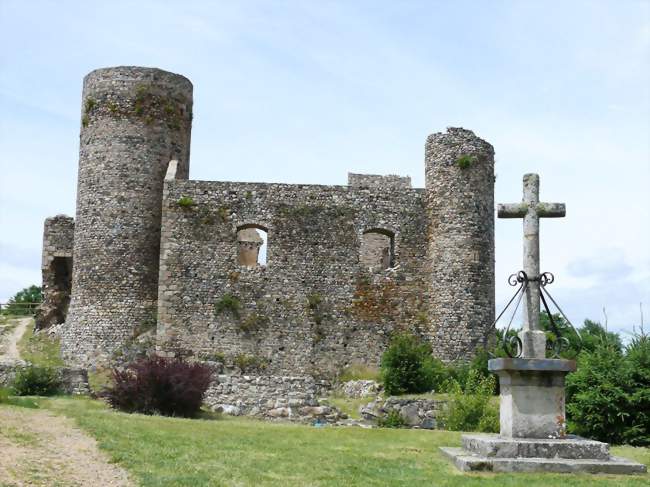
pixel 85 120
pixel 250 363
pixel 314 300
pixel 185 202
pixel 219 357
pixel 465 161
pixel 248 195
pixel 223 213
pixel 228 303
pixel 90 104
pixel 358 371
pixel 392 420
pixel 252 322
pixel 112 107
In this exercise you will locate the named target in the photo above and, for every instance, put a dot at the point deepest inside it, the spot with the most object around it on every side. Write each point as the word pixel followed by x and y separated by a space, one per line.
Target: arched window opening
pixel 252 245
pixel 377 249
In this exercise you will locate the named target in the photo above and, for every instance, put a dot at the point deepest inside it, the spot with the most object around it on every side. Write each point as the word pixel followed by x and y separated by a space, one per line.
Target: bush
pixel 608 396
pixel 407 366
pixel 638 357
pixel 392 420
pixel 461 374
pixel 157 385
pixel 37 381
pixel 472 409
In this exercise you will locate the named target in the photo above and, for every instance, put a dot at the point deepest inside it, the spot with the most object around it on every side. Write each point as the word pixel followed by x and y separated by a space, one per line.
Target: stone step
pixel 469 462
pixel 570 447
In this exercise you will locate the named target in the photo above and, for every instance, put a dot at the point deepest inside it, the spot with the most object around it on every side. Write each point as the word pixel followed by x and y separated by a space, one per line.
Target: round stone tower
pixel 133 122
pixel 459 176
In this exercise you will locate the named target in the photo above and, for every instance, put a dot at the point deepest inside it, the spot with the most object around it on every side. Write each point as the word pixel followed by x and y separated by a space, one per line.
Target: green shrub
pixel 472 409
pixel 392 420
pixel 465 161
pixel 37 381
pixel 249 363
pixel 407 366
pixel 459 374
pixel 230 303
pixel 638 358
pixel 185 202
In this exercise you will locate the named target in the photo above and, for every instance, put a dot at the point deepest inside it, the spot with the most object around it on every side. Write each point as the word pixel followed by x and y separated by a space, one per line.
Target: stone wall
pixel 416 412
pixel 56 269
pixel 133 122
pixel 381 182
pixel 73 380
pixel 313 308
pixel 460 206
pixel 271 397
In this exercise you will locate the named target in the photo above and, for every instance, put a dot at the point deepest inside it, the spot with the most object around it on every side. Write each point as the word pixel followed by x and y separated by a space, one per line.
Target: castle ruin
pixel 346 266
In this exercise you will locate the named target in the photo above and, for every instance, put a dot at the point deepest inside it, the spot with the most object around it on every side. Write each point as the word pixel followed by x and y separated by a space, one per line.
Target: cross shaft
pixel 531 210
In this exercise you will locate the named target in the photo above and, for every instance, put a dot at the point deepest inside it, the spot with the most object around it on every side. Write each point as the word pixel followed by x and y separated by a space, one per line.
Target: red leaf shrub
pixel 157 385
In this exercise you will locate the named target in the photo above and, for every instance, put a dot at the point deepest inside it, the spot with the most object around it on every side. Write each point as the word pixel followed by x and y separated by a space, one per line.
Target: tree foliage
pixel 24 302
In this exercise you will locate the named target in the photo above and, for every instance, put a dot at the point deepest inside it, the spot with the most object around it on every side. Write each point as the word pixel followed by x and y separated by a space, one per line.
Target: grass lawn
pixel 160 451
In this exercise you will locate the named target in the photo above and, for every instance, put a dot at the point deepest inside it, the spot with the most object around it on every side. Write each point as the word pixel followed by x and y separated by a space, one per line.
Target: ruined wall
pixel 460 206
pixel 56 269
pixel 133 121
pixel 314 308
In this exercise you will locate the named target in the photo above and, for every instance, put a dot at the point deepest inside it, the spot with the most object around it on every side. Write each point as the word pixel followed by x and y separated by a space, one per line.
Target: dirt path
pixel 9 349
pixel 42 449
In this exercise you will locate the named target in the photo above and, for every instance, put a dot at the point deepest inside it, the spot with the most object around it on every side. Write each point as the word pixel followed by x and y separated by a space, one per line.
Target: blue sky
pixel 307 91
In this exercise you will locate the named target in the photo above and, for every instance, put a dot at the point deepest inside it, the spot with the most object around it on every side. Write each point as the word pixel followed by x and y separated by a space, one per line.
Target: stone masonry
pixel 133 122
pixel 346 266
pixel 56 269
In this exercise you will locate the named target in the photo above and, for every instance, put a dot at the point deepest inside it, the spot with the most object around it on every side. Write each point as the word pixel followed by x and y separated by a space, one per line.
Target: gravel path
pixel 39 448
pixel 9 349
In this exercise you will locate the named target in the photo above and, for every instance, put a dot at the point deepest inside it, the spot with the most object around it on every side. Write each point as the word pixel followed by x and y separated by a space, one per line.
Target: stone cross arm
pixel 519 210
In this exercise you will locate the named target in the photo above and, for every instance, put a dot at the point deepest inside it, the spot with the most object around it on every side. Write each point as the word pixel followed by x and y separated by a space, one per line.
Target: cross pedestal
pixel 532 420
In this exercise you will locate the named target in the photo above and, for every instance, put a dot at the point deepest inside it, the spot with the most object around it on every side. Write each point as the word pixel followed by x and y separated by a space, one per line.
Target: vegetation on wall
pixel 465 161
pixel 147 105
pixel 185 202
pixel 228 303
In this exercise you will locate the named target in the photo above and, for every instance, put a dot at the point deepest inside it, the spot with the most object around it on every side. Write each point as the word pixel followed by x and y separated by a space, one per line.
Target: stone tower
pixel 459 175
pixel 133 122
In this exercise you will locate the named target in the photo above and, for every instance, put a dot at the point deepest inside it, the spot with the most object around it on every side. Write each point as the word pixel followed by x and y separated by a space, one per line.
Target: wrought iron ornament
pixel 512 346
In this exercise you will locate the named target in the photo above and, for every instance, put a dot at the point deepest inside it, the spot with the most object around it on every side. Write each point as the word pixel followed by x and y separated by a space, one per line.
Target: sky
pixel 305 91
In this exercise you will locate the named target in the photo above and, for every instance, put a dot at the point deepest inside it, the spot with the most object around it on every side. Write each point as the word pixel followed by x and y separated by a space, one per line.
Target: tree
pixel 24 302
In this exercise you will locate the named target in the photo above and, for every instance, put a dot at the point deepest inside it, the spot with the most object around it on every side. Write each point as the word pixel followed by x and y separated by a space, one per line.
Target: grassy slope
pixel 173 452
pixel 40 349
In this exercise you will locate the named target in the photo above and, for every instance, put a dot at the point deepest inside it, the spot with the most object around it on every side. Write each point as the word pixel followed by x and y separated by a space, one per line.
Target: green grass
pixel 349 406
pixel 23 402
pixel 160 451
pixel 40 349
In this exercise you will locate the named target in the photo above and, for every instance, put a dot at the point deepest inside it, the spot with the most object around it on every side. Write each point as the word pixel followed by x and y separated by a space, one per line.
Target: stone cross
pixel 531 210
